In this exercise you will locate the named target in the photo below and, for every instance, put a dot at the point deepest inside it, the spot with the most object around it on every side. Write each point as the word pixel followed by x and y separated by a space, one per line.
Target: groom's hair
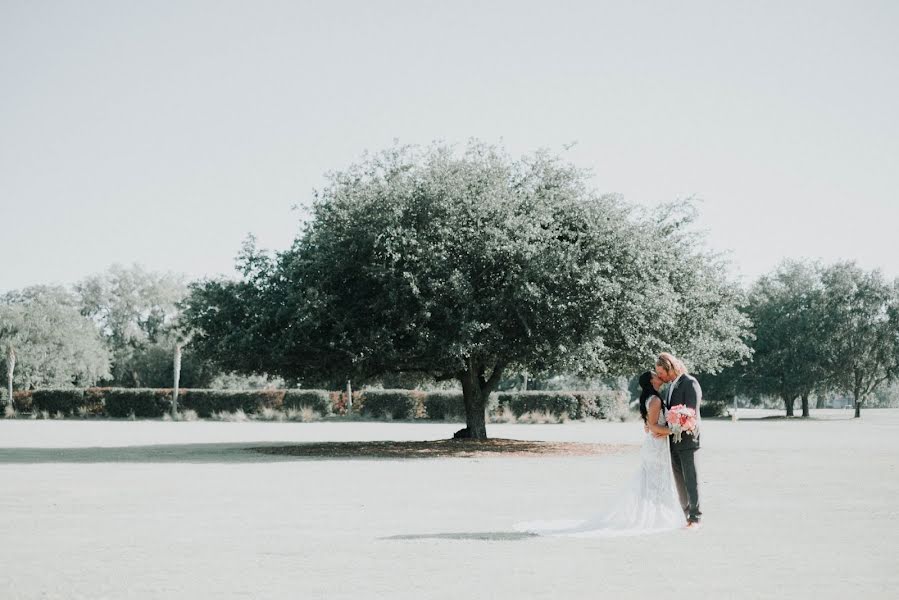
pixel 669 362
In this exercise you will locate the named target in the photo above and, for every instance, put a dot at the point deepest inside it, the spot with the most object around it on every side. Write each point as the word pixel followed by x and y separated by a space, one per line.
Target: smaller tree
pixel 861 318
pixel 137 311
pixel 790 340
pixel 52 344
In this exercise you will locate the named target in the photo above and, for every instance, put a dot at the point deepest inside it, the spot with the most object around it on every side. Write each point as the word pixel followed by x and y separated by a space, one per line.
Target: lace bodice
pixel 661 420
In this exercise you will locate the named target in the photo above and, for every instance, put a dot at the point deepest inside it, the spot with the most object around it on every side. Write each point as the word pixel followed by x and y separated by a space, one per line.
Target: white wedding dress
pixel 648 505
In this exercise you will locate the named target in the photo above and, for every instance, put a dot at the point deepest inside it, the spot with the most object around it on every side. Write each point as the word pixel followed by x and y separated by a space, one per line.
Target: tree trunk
pixel 820 401
pixel 475 393
pixel 475 411
pixel 805 404
pixel 177 368
pixel 788 404
pixel 858 406
pixel 10 369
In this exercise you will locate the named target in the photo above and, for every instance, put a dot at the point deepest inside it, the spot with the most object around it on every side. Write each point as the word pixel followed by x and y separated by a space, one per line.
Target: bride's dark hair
pixel 646 392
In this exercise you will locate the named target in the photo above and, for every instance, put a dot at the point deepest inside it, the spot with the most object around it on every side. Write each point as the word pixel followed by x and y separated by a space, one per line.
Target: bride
pixel 650 503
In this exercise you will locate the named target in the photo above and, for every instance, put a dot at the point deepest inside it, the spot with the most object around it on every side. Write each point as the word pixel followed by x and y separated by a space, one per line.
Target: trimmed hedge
pixel 207 402
pixel 396 404
pixel 555 403
pixel 444 406
pixel 378 404
pixel 612 405
pixel 54 400
pixel 142 402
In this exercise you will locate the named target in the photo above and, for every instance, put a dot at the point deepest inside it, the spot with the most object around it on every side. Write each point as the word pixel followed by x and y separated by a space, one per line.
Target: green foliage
pixel 65 400
pixel 54 345
pixel 681 300
pixel 317 400
pixel 395 404
pixel 719 390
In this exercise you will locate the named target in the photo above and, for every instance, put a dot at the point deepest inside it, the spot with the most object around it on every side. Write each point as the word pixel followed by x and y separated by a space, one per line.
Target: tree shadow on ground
pixel 163 453
pixel 441 449
pixel 249 452
pixel 487 536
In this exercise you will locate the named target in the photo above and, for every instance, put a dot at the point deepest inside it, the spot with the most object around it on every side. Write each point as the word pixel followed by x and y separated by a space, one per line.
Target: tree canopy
pixel 786 308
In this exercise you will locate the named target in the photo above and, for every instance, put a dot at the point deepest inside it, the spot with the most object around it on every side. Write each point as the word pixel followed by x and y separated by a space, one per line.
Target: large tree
pixel 861 316
pixel 786 309
pixel 47 342
pixel 463 267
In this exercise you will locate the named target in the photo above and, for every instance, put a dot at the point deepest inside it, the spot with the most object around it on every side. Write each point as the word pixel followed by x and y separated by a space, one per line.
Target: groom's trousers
pixel 683 462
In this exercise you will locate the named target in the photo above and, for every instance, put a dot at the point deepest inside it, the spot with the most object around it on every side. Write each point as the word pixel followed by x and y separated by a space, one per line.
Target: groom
pixel 683 389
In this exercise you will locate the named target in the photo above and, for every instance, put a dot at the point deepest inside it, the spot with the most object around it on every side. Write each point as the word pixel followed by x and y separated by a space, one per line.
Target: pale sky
pixel 164 132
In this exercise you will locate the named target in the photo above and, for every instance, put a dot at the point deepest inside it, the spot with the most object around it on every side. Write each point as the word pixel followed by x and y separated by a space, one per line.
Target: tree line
pixel 430 265
pixel 817 329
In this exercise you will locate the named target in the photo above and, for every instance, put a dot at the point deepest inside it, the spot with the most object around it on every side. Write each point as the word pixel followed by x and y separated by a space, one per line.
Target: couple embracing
pixel 664 493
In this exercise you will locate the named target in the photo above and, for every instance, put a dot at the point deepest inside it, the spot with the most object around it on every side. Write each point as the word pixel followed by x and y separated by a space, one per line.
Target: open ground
pixel 153 509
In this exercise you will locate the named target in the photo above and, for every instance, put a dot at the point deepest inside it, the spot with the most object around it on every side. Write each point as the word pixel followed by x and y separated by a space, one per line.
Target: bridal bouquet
pixel 681 419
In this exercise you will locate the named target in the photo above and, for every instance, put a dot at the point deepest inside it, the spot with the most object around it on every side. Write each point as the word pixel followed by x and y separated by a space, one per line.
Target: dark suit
pixel 683 459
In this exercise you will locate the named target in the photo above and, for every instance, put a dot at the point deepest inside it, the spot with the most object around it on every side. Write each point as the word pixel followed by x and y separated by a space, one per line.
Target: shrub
pixel 502 415
pixel 138 402
pixel 238 416
pixel 614 405
pixel 269 414
pixel 541 417
pixel 395 404
pixel 305 414
pixel 317 400
pixel 339 403
pixel 94 402
pixel 23 400
pixel 444 406
pixel 588 405
pixel 62 400
pixel 554 403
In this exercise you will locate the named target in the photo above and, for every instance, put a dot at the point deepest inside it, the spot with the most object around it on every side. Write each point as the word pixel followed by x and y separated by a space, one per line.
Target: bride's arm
pixel 652 417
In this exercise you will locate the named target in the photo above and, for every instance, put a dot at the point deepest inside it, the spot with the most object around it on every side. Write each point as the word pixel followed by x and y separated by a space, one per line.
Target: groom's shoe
pixel 693 525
